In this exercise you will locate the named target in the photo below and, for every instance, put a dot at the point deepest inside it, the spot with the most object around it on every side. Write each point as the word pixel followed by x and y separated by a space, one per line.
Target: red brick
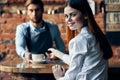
pixel 8 26
pixel 12 20
pixel 2 21
pixel 2 46
pixel 11 46
pixel 17 15
pixel 7 31
pixel 7 36
pixel 6 15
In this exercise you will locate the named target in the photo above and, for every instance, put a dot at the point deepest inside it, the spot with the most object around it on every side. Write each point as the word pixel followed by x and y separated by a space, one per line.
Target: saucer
pixel 38 62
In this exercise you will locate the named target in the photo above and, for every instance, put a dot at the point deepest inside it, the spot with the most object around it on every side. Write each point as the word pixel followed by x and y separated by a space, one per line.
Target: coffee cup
pixel 38 57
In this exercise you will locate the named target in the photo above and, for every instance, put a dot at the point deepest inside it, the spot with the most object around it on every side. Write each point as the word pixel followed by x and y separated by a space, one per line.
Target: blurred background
pixel 106 14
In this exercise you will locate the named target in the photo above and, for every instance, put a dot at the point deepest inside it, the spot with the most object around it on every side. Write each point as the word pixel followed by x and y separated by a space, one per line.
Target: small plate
pixel 38 62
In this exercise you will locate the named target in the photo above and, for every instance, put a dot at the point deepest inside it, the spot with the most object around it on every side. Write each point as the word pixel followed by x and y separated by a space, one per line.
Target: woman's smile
pixel 70 24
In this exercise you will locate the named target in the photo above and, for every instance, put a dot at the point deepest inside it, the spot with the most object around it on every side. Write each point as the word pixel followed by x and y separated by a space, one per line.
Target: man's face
pixel 34 12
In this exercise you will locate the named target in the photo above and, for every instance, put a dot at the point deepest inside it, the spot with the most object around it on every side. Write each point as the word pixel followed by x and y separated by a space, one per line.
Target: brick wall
pixel 8 24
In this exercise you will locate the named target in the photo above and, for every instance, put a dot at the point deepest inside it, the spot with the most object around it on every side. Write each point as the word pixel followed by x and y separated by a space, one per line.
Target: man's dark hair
pixel 38 2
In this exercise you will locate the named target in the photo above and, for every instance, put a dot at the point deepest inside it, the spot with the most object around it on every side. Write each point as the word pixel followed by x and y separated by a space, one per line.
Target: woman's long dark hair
pixel 84 8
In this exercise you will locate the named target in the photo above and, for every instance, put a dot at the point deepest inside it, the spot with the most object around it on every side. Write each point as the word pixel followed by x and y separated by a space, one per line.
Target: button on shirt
pixel 85 58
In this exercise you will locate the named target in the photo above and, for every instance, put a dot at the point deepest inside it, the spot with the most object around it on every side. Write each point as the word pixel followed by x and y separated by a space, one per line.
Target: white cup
pixel 38 57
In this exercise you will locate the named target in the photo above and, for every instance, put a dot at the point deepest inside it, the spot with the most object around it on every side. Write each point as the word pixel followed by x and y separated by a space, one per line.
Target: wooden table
pixel 29 69
pixel 26 71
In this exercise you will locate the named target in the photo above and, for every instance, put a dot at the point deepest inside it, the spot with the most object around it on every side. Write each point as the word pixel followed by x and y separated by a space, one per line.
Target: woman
pixel 89 50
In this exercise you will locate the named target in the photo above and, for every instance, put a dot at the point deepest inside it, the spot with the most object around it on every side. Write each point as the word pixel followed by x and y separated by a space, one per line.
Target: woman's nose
pixel 69 19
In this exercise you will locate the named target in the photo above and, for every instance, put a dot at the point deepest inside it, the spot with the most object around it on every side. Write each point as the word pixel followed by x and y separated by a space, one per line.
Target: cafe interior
pixel 12 13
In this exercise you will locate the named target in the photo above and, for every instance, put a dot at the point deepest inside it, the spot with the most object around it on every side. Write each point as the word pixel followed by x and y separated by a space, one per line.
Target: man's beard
pixel 37 20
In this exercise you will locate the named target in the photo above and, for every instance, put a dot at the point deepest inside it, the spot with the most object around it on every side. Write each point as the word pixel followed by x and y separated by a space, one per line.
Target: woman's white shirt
pixel 85 58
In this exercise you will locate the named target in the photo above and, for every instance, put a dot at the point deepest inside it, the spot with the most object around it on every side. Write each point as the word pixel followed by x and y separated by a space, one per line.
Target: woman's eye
pixel 65 16
pixel 73 14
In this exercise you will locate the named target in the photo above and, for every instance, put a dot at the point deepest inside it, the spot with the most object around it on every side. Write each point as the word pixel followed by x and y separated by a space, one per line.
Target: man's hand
pixel 28 56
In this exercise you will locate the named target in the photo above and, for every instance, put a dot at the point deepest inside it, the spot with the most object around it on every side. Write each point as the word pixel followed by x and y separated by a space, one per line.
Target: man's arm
pixel 20 41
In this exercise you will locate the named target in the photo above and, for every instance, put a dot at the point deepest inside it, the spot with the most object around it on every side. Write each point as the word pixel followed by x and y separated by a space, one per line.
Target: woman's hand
pixel 51 53
pixel 58 71
pixel 54 53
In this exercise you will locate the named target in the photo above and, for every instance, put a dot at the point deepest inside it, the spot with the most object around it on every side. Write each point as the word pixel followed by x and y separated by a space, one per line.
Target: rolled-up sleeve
pixel 20 41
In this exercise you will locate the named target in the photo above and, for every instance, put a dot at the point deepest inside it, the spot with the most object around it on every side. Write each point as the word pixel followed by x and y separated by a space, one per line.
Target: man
pixel 37 35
